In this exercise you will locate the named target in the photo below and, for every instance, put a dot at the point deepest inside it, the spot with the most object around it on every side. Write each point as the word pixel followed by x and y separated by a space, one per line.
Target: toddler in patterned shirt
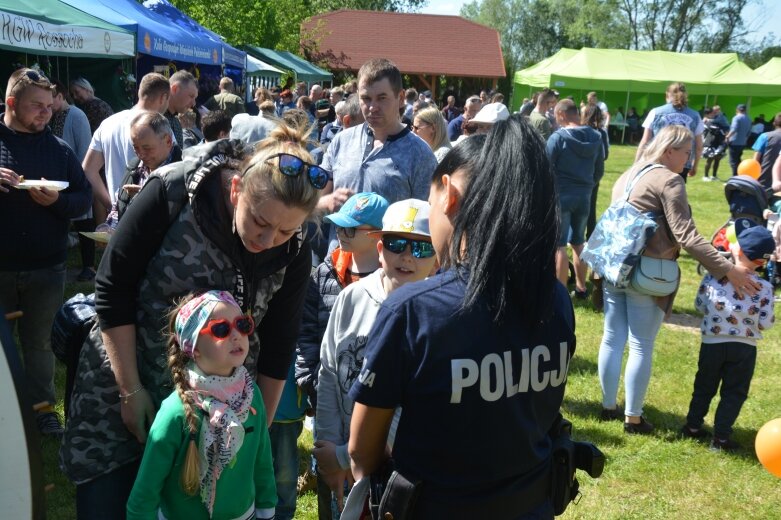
pixel 730 329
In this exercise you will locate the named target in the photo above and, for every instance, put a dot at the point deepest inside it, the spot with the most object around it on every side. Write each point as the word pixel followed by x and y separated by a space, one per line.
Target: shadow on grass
pixel 580 364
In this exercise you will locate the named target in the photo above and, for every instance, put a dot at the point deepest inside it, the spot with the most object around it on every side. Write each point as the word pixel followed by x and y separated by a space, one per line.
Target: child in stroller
pixel 713 145
pixel 747 198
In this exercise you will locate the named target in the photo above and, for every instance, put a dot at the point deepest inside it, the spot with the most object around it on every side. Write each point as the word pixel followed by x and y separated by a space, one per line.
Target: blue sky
pixel 761 18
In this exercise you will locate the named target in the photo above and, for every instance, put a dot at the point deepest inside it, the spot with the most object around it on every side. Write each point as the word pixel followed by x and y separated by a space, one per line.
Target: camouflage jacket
pixel 199 251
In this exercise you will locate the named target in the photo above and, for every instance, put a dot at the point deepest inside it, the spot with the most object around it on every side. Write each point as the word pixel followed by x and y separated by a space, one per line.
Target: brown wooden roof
pixel 416 43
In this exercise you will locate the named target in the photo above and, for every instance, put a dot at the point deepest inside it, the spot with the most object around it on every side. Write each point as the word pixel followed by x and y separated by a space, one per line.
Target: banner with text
pixel 19 33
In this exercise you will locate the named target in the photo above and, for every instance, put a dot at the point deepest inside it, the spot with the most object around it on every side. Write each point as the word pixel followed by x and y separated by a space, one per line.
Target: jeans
pixel 574 214
pixel 732 364
pixel 636 317
pixel 38 294
pixel 735 154
pixel 105 498
pixel 284 449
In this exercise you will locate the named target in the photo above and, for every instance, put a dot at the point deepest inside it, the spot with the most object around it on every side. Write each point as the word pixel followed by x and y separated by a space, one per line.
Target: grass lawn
pixel 654 477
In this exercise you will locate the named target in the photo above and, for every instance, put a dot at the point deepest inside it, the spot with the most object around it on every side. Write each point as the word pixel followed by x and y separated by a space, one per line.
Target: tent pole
pixel 748 105
pixel 706 100
pixel 626 111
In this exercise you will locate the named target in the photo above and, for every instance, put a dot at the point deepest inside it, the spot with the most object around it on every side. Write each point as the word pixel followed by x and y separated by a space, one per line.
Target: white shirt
pixel 112 139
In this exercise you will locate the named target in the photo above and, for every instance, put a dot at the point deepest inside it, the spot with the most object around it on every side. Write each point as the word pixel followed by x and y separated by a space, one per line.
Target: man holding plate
pixel 42 187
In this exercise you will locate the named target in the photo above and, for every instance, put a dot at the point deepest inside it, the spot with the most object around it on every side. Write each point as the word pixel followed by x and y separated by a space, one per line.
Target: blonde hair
pixel 672 136
pixel 432 116
pixel 190 478
pixel 261 178
pixel 677 95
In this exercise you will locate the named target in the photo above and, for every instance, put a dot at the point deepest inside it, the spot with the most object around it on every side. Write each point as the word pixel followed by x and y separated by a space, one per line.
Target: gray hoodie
pixel 575 154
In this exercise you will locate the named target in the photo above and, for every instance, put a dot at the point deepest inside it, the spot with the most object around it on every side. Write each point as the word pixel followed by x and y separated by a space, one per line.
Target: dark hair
pixel 568 108
pixel 378 69
pixel 506 229
pixel 60 88
pixel 592 116
pixel 215 122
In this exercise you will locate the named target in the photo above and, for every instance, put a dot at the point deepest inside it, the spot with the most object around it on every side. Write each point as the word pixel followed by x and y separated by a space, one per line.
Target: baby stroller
pixel 747 198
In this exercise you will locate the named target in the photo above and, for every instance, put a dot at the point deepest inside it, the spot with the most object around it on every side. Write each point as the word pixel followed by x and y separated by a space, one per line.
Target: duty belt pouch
pixel 564 485
pixel 399 498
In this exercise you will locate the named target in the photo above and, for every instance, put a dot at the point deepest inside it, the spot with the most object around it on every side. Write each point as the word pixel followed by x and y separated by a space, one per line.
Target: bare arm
pixel 368 437
pixel 137 410
pixel 92 164
pixel 271 391
pixel 777 174
pixel 758 156
pixel 697 155
pixel 648 134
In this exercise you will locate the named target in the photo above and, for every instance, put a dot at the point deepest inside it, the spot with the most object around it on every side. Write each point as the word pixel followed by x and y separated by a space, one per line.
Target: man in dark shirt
pixel 471 108
pixel 33 238
pixel 184 90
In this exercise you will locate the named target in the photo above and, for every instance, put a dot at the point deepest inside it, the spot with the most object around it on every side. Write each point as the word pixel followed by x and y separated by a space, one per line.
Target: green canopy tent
pixel 625 78
pixel 63 41
pixel 770 106
pixel 299 68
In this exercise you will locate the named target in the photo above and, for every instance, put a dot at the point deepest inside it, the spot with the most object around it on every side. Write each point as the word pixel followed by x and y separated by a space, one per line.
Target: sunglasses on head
pixel 397 245
pixel 32 76
pixel 221 329
pixel 293 166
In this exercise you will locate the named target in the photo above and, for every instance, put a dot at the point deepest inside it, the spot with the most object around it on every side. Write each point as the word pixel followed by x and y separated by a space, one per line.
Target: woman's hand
pixel 743 280
pixel 138 412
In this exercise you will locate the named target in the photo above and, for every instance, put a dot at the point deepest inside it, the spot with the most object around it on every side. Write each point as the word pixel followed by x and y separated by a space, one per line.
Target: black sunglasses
pixel 397 245
pixel 221 329
pixel 32 76
pixel 293 166
pixel 349 232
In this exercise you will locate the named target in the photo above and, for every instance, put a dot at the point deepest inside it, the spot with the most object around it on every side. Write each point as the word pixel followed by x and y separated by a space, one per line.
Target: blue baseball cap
pixel 755 241
pixel 362 209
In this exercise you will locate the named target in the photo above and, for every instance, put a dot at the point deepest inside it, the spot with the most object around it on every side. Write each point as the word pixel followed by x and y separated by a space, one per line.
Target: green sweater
pixel 249 481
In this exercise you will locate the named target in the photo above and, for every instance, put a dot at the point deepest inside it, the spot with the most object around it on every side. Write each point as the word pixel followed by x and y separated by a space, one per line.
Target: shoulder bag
pixel 618 241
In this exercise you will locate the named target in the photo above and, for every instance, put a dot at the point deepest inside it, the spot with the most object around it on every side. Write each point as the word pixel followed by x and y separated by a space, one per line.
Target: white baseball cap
pixel 406 216
pixel 491 113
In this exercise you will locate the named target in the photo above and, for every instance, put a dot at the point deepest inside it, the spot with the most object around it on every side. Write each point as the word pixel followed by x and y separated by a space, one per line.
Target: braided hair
pixel 177 362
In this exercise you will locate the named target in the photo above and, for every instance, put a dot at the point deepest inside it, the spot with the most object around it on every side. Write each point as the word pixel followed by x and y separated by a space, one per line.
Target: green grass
pixel 653 477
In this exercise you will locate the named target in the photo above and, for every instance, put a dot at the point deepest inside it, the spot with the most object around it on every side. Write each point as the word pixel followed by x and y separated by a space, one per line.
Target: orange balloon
pixel 768 446
pixel 750 167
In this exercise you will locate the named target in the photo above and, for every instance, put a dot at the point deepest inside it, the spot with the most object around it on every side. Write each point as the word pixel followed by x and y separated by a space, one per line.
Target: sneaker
pixel 706 179
pixel 641 428
pixel 690 433
pixel 49 424
pixel 87 274
pixel 727 444
pixel 611 415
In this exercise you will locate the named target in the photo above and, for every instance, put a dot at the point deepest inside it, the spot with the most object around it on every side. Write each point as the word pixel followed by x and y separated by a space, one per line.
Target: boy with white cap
pixel 730 330
pixel 406 255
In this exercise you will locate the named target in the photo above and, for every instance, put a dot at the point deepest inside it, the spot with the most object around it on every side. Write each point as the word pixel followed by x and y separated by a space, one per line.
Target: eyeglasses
pixel 349 232
pixel 417 128
pixel 32 76
pixel 292 166
pixel 397 245
pixel 221 329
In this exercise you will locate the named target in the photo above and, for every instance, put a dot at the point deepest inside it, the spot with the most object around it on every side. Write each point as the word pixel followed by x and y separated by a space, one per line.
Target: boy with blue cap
pixel 355 258
pixel 730 330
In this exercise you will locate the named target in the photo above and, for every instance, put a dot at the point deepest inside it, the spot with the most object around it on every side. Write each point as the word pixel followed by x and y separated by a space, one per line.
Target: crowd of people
pixel 313 252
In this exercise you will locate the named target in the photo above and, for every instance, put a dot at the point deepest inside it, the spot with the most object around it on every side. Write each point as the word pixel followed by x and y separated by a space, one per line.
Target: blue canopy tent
pixel 161 46
pixel 233 60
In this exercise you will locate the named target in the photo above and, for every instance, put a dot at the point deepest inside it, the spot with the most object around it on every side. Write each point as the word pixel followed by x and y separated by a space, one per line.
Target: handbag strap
pixel 631 184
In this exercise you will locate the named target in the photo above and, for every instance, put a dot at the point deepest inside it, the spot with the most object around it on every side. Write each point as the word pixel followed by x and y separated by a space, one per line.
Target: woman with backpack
pixel 221 218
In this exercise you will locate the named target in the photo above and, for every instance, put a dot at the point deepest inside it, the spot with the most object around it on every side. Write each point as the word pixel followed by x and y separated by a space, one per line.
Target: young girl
pixel 208 453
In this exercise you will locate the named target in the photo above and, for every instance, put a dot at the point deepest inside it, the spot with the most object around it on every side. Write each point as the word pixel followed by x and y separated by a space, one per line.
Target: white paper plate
pixel 97 236
pixel 52 185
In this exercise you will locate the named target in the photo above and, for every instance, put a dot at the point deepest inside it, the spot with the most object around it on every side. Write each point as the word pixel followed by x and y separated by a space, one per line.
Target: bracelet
pixel 127 396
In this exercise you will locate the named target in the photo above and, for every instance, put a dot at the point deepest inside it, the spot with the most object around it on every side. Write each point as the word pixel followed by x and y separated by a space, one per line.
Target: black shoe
pixel 641 428
pixel 689 433
pixel 611 415
pixel 49 424
pixel 579 295
pixel 86 275
pixel 727 445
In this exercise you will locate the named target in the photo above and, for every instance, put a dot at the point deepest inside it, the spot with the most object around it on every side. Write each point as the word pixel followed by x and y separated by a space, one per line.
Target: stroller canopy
pixel 746 197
